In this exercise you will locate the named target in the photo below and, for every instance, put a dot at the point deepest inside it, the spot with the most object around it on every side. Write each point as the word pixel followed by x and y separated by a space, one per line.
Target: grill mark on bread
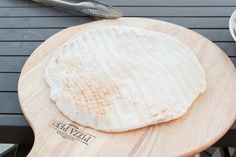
pixel 94 95
pixel 98 96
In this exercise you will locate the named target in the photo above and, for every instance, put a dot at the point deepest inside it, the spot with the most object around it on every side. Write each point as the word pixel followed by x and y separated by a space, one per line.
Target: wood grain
pixel 208 119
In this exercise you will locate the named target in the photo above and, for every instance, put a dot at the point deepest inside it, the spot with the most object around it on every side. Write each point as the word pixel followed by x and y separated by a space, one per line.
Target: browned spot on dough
pixel 93 94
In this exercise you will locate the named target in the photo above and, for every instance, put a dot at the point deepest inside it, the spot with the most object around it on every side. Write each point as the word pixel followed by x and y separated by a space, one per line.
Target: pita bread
pixel 120 78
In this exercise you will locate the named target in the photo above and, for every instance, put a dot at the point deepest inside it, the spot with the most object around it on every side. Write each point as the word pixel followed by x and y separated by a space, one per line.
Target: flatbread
pixel 121 78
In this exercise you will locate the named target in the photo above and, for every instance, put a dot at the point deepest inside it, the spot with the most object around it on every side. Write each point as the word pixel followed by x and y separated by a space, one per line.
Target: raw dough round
pixel 121 78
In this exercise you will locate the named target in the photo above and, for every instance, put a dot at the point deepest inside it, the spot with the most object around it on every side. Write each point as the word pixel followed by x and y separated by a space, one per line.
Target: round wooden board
pixel 209 118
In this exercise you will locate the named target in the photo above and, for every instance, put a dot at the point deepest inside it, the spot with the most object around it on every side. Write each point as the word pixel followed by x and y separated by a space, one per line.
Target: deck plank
pixel 17 48
pixel 63 22
pixel 15 129
pixel 12 64
pixel 9 103
pixel 128 11
pixel 43 34
pixel 26 48
pixel 15 64
pixel 8 82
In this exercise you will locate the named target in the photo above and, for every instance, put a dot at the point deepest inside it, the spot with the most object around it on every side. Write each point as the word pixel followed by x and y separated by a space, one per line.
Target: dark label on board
pixel 71 132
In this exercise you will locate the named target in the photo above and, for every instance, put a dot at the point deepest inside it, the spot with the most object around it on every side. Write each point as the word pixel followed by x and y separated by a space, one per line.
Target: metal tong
pixel 92 8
